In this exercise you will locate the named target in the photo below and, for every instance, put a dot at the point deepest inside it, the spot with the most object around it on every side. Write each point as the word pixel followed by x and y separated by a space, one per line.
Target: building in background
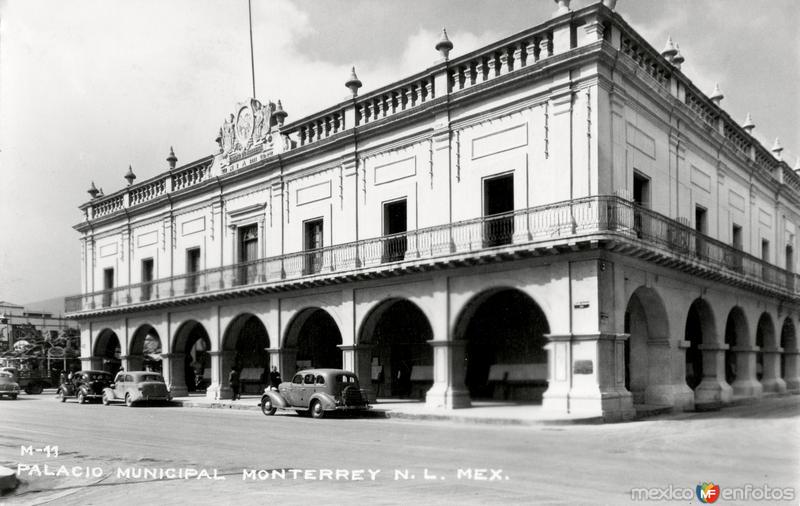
pixel 18 324
pixel 561 217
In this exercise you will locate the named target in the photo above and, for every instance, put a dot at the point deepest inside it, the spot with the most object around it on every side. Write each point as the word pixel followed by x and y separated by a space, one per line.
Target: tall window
pixel 738 243
pixel 192 269
pixel 641 197
pixel 701 225
pixel 765 250
pixel 248 252
pixel 498 203
pixel 395 224
pixel 147 278
pixel 108 286
pixel 312 242
pixel 789 258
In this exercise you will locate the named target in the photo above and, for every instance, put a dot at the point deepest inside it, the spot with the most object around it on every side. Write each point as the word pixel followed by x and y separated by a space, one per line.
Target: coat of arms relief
pixel 251 124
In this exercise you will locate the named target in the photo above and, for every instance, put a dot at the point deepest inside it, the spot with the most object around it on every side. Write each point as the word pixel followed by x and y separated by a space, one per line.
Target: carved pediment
pixel 251 124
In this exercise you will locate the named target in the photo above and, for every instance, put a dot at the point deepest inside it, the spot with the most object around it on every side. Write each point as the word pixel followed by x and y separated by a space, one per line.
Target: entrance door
pixel 147 278
pixel 395 224
pixel 312 243
pixel 192 267
pixel 498 203
pixel 248 253
pixel 108 286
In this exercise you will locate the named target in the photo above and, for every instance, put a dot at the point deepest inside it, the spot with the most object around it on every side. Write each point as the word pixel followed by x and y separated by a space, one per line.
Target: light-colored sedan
pixel 135 387
pixel 316 392
pixel 8 387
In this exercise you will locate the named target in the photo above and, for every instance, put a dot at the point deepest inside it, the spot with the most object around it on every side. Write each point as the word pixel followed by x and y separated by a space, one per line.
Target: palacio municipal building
pixel 559 218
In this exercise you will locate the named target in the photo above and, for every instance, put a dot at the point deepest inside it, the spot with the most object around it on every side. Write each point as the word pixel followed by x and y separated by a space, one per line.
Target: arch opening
pixel 645 321
pixel 192 365
pixel 699 330
pixel 313 340
pixel 108 351
pixel 245 347
pixel 145 352
pixel 788 344
pixel 401 360
pixel 735 335
pixel 505 333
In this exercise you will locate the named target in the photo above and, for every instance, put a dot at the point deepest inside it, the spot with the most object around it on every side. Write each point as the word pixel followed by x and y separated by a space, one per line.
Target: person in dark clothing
pixel 233 380
pixel 274 377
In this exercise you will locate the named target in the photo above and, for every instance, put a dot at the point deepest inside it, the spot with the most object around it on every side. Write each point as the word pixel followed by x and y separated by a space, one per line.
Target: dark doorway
pixel 694 356
pixel 147 278
pixel 312 242
pixel 108 286
pixel 247 341
pixel 701 226
pixel 641 197
pixel 498 203
pixel 505 353
pixel 197 361
pixel 395 224
pixel 248 253
pixel 317 341
pixel 108 350
pixel 192 268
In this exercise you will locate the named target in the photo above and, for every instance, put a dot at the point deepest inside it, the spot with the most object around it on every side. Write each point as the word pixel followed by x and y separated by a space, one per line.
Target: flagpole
pixel 252 60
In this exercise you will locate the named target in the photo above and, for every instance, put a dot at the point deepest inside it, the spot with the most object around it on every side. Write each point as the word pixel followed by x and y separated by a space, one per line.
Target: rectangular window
pixel 765 250
pixel 192 269
pixel 395 224
pixel 701 226
pixel 498 204
pixel 738 243
pixel 312 242
pixel 147 278
pixel 641 197
pixel 108 286
pixel 248 254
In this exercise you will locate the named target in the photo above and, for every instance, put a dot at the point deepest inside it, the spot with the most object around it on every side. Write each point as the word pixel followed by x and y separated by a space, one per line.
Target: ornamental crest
pixel 249 125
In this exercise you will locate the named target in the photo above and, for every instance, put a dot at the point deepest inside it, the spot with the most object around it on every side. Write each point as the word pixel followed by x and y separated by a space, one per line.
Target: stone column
pixel 791 371
pixel 666 381
pixel 174 374
pixel 746 384
pixel 282 358
pixel 598 377
pixel 771 380
pixel 559 376
pixel 713 390
pixel 125 362
pixel 358 359
pixel 449 371
pixel 219 388
pixel 91 363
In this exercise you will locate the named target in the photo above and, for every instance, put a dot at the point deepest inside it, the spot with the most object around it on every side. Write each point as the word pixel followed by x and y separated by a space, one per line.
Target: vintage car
pixel 85 386
pixel 8 387
pixel 136 386
pixel 316 391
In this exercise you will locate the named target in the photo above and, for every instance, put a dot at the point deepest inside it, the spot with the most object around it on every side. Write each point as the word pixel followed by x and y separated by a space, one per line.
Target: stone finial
pixel 100 192
pixel 444 46
pixel 93 191
pixel 748 124
pixel 130 176
pixel 678 59
pixel 716 95
pixel 280 114
pixel 563 7
pixel 777 148
pixel 669 50
pixel 354 83
pixel 172 159
pixel 611 4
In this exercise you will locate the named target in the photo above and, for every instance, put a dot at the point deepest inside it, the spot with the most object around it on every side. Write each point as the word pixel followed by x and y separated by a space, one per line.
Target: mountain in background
pixel 54 306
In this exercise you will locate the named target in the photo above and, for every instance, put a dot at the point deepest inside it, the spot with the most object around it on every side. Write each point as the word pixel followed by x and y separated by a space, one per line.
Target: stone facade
pixel 560 217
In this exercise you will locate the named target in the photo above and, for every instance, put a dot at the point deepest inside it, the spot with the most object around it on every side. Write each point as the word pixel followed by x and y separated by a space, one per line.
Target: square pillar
pixel 713 390
pixel 173 371
pixel 281 358
pixel 358 359
pixel 219 388
pixel 666 383
pixel 791 370
pixel 771 380
pixel 746 384
pixel 449 371
pixel 559 378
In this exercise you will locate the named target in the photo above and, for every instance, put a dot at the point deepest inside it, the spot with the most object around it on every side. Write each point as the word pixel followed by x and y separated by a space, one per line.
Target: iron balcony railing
pixel 563 222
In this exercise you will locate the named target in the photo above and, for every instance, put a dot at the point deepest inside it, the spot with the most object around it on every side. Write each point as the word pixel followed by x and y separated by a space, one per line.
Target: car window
pixel 152 377
pixel 309 379
pixel 298 379
pixel 320 380
pixel 128 378
pixel 120 378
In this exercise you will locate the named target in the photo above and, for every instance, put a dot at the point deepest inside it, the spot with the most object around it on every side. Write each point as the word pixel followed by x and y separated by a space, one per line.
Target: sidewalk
pixel 482 412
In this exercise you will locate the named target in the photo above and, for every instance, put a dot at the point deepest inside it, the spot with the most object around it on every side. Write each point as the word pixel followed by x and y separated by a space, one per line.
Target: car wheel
pixel 13 397
pixel 128 400
pixel 267 408
pixel 106 400
pixel 81 398
pixel 316 410
pixel 34 389
pixel 61 396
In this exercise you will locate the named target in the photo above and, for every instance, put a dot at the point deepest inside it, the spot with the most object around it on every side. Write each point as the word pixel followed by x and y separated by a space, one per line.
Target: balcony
pixel 607 222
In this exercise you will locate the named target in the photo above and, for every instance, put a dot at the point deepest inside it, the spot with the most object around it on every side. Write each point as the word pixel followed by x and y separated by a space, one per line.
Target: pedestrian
pixel 274 377
pixel 233 380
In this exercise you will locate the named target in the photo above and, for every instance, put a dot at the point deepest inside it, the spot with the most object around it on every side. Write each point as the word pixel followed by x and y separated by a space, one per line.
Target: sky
pixel 89 87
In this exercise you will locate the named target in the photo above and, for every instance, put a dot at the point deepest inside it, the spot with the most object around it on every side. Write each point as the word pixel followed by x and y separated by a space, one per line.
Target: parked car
pixel 85 386
pixel 316 391
pixel 136 386
pixel 8 387
pixel 33 381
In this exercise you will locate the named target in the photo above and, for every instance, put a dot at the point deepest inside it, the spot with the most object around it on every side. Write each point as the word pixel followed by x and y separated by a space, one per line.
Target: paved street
pixel 757 444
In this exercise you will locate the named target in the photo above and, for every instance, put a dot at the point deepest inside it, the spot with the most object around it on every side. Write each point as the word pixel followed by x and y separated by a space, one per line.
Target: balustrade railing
pixel 553 224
